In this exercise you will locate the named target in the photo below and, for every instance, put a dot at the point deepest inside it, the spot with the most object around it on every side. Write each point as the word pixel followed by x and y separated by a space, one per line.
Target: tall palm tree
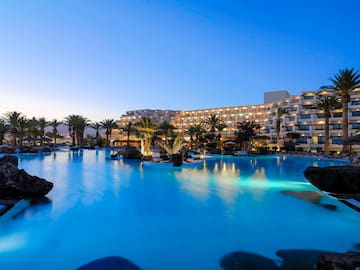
pixel 246 130
pixel 166 129
pixel 42 123
pixel 70 121
pixel 54 124
pixel 346 81
pixel 12 119
pixel 108 125
pixel 280 114
pixel 146 130
pixel 129 128
pixel 22 127
pixel 80 123
pixel 327 104
pixel 33 129
pixel 196 134
pixel 4 128
pixel 212 123
pixel 96 126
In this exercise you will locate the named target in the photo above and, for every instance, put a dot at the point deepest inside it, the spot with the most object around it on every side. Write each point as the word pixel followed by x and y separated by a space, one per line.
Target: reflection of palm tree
pixel 146 129
pixel 280 113
pixel 108 125
pixel 12 119
pixel 4 128
pixel 128 128
pixel 327 104
pixel 54 124
pixel 345 82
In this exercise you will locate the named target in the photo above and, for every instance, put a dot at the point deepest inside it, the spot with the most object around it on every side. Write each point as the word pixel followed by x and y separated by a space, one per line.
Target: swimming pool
pixel 181 218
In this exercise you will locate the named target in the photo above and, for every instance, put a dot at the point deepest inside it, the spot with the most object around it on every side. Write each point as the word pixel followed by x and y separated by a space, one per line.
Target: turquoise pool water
pixel 163 219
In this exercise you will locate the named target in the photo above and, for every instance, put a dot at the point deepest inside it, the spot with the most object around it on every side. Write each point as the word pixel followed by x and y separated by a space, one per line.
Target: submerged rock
pixel 299 259
pixel 307 195
pixel 335 179
pixel 240 260
pixel 341 261
pixel 18 183
pixel 110 263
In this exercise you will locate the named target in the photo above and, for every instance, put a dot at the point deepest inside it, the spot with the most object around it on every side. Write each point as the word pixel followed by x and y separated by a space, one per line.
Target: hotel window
pixel 305 116
pixel 355 126
pixel 320 115
pixel 319 127
pixel 304 127
pixel 336 140
pixel 355 102
pixel 321 139
pixel 302 139
pixel 355 113
pixel 308 97
pixel 288 128
pixel 307 107
pixel 337 114
pixel 337 126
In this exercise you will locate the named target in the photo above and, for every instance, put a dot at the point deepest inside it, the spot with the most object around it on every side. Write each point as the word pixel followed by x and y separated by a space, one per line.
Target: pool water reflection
pixel 182 218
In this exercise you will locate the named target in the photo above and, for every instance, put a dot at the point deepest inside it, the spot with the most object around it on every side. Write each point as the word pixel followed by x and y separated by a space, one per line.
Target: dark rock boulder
pixel 338 261
pixel 110 263
pixel 299 259
pixel 240 260
pixel 132 153
pixel 335 179
pixel 9 160
pixel 18 183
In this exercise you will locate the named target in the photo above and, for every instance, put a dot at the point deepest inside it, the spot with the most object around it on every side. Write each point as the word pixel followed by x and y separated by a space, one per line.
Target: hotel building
pixel 302 118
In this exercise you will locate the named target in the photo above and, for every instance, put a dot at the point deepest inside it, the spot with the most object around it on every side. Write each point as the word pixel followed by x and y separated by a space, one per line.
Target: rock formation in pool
pixel 335 179
pixel 15 182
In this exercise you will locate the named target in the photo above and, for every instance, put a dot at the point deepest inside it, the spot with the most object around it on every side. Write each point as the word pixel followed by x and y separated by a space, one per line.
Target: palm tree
pixel 166 129
pixel 346 81
pixel 12 119
pixel 42 123
pixel 96 126
pixel 80 123
pixel 327 104
pixel 108 125
pixel 54 124
pixel 196 131
pixel 129 127
pixel 212 123
pixel 33 129
pixel 280 113
pixel 173 147
pixel 70 121
pixel 22 127
pixel 246 130
pixel 4 128
pixel 146 129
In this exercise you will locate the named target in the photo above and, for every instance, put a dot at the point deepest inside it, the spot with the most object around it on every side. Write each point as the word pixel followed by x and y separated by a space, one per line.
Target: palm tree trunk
pixel 128 140
pixel 327 137
pixel 345 122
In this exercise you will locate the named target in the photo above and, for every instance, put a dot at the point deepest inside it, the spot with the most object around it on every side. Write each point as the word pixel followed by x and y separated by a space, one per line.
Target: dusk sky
pixel 102 58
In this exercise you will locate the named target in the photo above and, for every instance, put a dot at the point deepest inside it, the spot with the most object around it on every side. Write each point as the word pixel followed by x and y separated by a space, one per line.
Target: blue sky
pixel 102 58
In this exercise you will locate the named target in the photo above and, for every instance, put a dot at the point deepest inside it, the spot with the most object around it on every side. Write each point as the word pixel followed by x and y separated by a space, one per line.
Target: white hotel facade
pixel 302 118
